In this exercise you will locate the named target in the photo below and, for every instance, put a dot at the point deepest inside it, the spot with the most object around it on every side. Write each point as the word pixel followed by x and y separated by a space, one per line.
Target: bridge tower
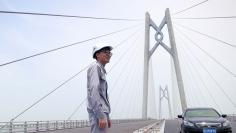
pixel 164 93
pixel 148 53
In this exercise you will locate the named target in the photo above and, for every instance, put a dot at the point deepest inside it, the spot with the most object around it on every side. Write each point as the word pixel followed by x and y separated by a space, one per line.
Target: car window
pixel 202 113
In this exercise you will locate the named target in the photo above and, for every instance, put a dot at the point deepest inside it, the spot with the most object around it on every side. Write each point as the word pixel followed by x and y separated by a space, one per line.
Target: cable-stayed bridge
pixel 131 77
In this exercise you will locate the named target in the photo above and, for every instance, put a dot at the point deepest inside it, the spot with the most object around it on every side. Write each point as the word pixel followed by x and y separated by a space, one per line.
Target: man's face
pixel 103 56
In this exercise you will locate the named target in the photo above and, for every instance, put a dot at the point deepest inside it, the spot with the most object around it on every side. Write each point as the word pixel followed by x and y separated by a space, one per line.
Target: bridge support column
pixel 148 53
pixel 146 66
pixel 164 93
pixel 174 54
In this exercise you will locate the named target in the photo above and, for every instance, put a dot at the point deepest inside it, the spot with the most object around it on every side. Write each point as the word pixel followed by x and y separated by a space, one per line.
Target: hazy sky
pixel 24 82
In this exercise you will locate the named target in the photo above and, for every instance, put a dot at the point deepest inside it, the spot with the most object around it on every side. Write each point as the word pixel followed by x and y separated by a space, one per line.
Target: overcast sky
pixel 23 83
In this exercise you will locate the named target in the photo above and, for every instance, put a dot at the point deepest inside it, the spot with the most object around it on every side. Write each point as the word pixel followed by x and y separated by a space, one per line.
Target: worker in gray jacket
pixel 98 106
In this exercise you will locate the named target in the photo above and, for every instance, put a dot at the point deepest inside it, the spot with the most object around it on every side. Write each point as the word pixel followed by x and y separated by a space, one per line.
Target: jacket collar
pixel 102 67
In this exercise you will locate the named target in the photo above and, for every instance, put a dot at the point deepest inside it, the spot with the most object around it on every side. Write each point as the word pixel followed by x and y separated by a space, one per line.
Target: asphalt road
pixel 172 126
pixel 116 128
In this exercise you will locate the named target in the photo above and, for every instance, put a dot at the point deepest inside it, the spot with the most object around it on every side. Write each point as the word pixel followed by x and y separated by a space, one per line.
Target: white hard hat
pixel 100 46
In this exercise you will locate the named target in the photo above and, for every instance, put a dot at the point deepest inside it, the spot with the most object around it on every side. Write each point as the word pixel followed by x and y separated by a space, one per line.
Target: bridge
pixel 160 66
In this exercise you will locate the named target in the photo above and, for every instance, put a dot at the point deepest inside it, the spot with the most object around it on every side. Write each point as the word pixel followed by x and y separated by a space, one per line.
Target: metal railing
pixel 41 126
pixel 38 126
pixel 231 117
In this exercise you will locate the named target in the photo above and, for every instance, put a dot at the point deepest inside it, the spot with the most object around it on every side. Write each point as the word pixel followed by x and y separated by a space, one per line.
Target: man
pixel 98 102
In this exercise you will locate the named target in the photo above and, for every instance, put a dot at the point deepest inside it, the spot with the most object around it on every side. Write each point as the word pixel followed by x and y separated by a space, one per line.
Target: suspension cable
pixel 220 17
pixel 77 108
pixel 136 96
pixel 69 45
pixel 125 66
pixel 192 74
pixel 204 84
pixel 219 86
pixel 132 85
pixel 116 46
pixel 197 101
pixel 63 83
pixel 200 77
pixel 211 37
pixel 204 51
pixel 113 66
pixel 126 39
pixel 126 77
pixel 66 16
pixel 190 7
pixel 57 89
pixel 217 83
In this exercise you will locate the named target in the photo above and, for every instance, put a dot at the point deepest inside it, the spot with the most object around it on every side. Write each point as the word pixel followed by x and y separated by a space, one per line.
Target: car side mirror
pixel 180 116
pixel 224 115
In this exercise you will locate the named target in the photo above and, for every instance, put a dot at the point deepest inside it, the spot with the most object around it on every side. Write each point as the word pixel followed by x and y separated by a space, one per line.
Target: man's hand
pixel 109 123
pixel 102 123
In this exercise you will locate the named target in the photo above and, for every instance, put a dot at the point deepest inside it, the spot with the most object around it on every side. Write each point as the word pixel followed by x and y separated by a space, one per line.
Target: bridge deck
pixel 116 128
pixel 171 126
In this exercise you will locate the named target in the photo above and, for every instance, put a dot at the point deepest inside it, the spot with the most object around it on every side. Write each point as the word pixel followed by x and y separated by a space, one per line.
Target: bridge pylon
pixel 148 53
pixel 164 93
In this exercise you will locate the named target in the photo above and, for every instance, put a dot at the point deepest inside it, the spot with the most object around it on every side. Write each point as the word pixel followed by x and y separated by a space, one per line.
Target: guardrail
pixel 231 117
pixel 41 126
pixel 38 126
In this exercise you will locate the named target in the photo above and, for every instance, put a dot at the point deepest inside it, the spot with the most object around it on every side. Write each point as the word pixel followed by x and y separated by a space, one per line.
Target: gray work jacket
pixel 98 101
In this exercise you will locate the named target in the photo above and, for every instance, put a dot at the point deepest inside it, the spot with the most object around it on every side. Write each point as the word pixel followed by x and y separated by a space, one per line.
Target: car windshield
pixel 201 113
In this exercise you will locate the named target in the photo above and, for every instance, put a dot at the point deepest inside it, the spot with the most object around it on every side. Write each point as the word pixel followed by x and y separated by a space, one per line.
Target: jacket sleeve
pixel 94 95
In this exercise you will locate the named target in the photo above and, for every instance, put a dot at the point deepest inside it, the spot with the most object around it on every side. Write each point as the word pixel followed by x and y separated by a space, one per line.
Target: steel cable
pixel 210 56
pixel 66 46
pixel 115 47
pixel 219 86
pixel 39 100
pixel 199 76
pixel 222 17
pixel 66 16
pixel 181 11
pixel 211 37
pixel 126 77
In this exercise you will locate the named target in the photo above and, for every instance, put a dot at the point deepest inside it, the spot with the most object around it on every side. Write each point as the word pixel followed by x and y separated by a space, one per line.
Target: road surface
pixel 116 128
